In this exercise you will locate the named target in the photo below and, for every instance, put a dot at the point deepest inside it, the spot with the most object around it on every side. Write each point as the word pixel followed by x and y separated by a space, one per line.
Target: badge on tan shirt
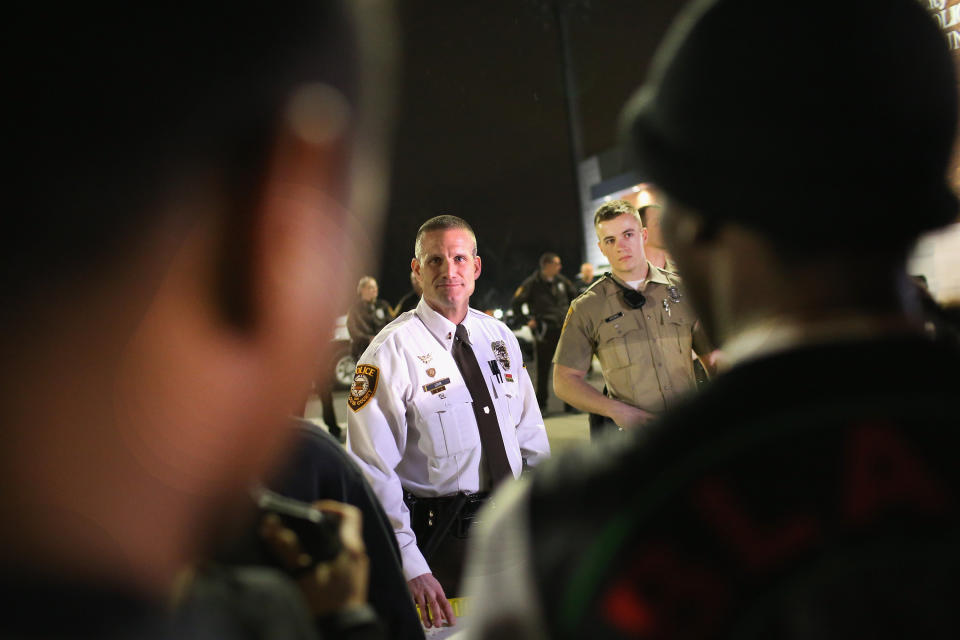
pixel 364 386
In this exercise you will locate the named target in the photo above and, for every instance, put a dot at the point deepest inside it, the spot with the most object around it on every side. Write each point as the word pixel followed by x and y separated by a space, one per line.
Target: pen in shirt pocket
pixel 495 370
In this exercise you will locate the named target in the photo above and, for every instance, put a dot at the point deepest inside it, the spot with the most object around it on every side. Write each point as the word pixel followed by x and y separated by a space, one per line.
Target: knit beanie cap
pixel 841 113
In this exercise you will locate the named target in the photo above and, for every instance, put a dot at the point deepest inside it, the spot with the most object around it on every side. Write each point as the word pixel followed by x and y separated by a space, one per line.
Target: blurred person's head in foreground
pixel 183 181
pixel 802 158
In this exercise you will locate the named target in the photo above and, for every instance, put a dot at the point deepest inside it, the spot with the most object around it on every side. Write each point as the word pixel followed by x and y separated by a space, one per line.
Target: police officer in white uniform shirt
pixel 442 409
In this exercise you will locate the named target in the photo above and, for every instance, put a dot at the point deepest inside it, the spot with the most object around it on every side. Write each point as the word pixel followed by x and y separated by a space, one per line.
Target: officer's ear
pixel 415 267
pixel 477 264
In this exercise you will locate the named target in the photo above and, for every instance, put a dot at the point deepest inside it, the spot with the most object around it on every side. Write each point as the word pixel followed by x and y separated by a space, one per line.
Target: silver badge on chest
pixel 500 353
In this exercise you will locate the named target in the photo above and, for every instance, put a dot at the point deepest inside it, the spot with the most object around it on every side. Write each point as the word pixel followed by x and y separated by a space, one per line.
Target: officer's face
pixel 448 270
pixel 621 242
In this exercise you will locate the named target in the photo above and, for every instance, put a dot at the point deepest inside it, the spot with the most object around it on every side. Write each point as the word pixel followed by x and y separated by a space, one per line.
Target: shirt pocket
pixel 514 402
pixel 612 346
pixel 447 424
pixel 676 332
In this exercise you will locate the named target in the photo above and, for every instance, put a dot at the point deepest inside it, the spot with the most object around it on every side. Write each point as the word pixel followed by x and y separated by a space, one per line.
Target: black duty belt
pixel 432 519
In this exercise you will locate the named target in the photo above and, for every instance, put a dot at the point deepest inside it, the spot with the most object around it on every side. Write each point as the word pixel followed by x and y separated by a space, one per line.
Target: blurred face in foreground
pixel 448 270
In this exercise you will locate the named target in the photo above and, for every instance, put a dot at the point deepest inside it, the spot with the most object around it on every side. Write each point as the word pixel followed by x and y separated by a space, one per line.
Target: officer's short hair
pixel 441 223
pixel 642 212
pixel 364 281
pixel 548 258
pixel 615 209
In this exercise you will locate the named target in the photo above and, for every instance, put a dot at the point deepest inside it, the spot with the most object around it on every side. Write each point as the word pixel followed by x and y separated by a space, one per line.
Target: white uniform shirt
pixel 412 424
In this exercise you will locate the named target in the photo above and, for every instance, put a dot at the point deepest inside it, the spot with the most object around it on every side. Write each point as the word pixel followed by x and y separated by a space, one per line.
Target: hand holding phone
pixel 331 585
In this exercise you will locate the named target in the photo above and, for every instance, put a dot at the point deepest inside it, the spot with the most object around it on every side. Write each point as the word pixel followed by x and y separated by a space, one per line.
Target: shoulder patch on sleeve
pixel 364 386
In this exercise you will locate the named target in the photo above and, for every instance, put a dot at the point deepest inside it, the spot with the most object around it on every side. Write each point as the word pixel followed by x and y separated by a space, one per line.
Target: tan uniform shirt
pixel 644 353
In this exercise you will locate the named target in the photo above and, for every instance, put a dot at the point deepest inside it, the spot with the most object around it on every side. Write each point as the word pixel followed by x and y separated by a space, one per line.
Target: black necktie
pixel 490 438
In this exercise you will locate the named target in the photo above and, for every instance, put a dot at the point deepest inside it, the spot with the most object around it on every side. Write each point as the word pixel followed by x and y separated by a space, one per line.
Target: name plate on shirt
pixel 437 385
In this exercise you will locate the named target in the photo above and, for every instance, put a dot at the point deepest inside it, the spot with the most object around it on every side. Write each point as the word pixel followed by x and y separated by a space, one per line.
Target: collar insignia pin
pixel 674 293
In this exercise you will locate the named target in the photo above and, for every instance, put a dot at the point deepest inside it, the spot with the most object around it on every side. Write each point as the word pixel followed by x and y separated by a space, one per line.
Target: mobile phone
pixel 317 532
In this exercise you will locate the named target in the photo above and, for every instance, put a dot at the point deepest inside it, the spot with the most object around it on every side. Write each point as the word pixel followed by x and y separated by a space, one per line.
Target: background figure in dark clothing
pixel 325 394
pixel 320 468
pixel 584 278
pixel 411 299
pixel 794 497
pixel 941 322
pixel 542 300
pixel 367 316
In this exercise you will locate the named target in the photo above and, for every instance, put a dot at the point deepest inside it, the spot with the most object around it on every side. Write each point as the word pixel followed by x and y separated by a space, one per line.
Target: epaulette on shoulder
pixel 592 285
pixel 673 277
pixel 387 332
pixel 483 315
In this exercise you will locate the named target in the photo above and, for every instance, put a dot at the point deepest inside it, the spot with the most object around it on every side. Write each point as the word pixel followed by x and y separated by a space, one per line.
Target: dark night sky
pixel 483 129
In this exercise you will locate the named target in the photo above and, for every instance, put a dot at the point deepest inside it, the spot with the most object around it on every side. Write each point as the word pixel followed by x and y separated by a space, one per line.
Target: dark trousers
pixel 601 427
pixel 441 527
pixel 329 416
pixel 545 347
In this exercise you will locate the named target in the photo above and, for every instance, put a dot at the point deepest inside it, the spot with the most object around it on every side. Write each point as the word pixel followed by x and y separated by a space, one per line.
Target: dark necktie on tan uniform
pixel 490 438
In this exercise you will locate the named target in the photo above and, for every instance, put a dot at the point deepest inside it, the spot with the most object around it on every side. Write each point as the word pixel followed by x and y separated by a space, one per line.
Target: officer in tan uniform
pixel 638 323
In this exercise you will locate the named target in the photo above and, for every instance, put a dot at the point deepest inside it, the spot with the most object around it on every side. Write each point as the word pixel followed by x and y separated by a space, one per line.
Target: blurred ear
pixel 415 267
pixel 478 264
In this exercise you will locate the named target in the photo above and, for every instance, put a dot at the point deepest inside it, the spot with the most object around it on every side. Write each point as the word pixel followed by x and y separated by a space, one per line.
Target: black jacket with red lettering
pixel 809 494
